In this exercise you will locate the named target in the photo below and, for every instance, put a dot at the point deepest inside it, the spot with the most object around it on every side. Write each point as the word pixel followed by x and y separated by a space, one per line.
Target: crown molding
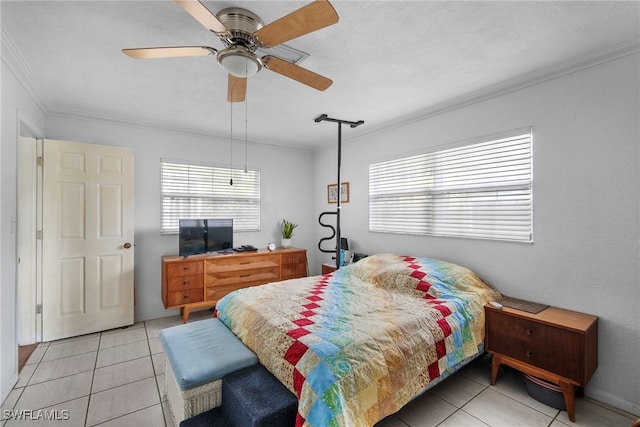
pixel 612 53
pixel 14 60
pixel 136 123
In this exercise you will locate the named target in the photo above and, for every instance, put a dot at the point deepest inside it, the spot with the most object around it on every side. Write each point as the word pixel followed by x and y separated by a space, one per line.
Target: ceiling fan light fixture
pixel 239 62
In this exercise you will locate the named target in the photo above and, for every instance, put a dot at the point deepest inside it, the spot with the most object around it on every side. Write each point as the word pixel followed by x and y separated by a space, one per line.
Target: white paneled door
pixel 87 239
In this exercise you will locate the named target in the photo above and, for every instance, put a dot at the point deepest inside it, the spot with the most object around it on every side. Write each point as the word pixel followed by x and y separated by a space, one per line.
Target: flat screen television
pixel 199 236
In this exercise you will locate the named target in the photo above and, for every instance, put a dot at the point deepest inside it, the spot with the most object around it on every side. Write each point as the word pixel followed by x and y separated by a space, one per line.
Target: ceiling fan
pixel 243 32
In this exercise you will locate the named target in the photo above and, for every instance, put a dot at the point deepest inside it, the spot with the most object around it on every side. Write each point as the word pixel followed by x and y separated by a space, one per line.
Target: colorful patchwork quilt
pixel 357 345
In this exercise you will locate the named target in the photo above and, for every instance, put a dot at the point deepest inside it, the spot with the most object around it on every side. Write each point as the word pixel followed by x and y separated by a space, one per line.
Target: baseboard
pixel 614 402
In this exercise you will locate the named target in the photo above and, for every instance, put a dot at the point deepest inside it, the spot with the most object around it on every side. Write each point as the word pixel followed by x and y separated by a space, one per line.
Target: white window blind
pixel 203 191
pixel 478 190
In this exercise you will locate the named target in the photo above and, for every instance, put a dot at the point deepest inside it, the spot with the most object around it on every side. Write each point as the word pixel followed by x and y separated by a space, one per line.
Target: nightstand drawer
pixel 547 347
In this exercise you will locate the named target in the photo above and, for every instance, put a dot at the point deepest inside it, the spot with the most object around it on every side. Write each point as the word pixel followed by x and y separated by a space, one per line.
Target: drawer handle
pixel 246 275
pixel 186 297
pixel 528 353
pixel 529 331
pixel 245 263
pixel 186 282
pixel 185 268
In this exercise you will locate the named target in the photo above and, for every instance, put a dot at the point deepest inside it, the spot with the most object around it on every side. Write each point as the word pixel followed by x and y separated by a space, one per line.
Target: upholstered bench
pixel 198 355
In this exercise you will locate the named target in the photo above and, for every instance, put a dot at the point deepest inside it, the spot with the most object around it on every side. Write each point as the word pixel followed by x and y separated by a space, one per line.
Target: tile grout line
pixel 461 408
pixel 155 376
pixel 120 385
pixel 123 415
pixel 29 383
pixel 93 374
pixel 4 421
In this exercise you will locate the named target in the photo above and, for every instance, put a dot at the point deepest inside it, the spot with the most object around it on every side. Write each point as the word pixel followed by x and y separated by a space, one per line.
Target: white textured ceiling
pixel 389 60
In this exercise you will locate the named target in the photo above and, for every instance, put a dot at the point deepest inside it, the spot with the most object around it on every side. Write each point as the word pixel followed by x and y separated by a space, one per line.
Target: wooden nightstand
pixel 557 345
pixel 328 268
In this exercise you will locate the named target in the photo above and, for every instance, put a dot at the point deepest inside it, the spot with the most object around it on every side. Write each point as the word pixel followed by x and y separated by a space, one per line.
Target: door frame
pixel 29 247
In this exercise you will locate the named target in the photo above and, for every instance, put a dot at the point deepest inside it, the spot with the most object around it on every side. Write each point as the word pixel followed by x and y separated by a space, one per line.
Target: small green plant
pixel 287 229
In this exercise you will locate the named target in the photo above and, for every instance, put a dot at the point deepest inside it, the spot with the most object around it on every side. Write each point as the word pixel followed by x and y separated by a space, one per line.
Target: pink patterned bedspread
pixel 357 345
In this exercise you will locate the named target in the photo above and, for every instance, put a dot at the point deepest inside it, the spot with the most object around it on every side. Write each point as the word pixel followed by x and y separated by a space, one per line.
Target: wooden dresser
pixel 201 280
pixel 557 345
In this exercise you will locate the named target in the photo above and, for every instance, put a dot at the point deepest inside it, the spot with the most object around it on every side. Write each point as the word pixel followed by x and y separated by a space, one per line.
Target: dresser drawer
pixel 182 283
pixel 294 265
pixel 247 270
pixel 214 293
pixel 548 347
pixel 293 271
pixel 185 297
pixel 294 258
pixel 184 268
pixel 242 263
pixel 243 278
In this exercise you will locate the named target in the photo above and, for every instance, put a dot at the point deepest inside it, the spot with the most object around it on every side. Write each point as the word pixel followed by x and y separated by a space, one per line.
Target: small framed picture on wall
pixel 332 193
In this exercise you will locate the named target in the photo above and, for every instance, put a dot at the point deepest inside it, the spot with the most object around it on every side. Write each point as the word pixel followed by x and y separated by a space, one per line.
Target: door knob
pixel 127 245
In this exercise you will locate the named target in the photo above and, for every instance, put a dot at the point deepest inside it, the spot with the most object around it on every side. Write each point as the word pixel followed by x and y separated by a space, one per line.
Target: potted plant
pixel 287 232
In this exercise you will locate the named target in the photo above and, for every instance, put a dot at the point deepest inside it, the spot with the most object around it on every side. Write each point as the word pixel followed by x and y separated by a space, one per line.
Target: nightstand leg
pixel 496 361
pixel 567 392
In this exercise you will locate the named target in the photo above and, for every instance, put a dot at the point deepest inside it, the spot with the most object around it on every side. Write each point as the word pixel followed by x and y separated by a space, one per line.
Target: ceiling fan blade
pixel 169 52
pixel 296 73
pixel 307 19
pixel 236 89
pixel 196 9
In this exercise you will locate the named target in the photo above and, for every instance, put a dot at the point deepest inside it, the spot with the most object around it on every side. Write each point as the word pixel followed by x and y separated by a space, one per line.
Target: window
pixel 477 189
pixel 203 191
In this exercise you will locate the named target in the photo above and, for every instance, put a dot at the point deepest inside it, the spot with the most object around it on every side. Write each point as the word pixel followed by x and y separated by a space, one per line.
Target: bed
pixel 358 344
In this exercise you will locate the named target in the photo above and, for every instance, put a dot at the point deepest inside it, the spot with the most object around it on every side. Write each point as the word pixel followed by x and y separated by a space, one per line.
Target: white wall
pixel 18 110
pixel 285 183
pixel 585 254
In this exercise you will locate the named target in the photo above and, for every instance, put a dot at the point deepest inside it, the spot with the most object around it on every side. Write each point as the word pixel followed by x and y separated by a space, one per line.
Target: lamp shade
pixel 239 62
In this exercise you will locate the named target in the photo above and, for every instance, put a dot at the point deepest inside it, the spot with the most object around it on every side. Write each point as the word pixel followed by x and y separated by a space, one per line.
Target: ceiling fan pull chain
pixel 231 147
pixel 246 131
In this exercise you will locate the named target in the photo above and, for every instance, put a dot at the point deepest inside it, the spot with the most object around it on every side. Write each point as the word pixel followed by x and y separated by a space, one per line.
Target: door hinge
pixel 40 160
pixel 38 308
pixel 39 235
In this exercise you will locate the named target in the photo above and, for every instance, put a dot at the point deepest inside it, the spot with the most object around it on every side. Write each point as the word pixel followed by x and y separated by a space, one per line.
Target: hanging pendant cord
pixel 231 147
pixel 246 127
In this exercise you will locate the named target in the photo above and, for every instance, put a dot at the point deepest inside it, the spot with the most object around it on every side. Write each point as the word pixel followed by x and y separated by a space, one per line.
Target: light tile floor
pixel 115 379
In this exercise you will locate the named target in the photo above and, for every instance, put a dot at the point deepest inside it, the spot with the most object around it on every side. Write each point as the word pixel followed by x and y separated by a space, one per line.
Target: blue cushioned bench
pixel 198 355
